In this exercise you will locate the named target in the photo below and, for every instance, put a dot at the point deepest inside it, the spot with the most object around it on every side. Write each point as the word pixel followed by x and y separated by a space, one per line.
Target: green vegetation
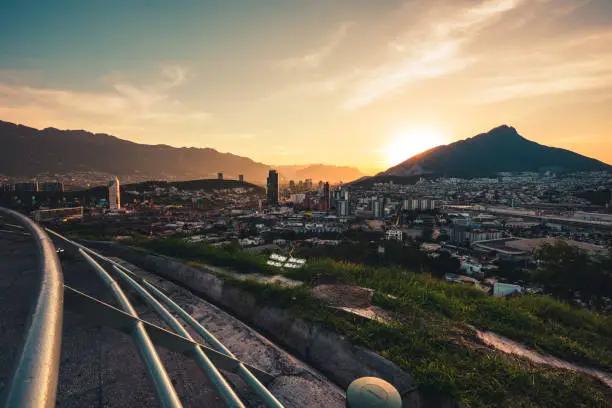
pixel 569 272
pixel 431 335
pixel 444 357
pixel 230 256
pixel 547 324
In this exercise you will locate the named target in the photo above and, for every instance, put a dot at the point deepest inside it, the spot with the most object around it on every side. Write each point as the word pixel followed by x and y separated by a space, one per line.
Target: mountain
pixel 26 152
pixel 500 150
pixel 318 172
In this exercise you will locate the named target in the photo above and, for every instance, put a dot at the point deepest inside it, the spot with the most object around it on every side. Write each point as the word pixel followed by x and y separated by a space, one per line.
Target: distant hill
pixel 322 172
pixel 99 192
pixel 368 182
pixel 26 151
pixel 205 184
pixel 499 150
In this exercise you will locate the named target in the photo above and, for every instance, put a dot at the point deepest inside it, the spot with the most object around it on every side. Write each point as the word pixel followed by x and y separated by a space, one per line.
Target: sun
pixel 411 142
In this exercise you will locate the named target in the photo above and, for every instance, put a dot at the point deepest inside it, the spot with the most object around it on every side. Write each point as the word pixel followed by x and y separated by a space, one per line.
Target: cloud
pixel 174 74
pixel 125 103
pixel 576 63
pixel 321 86
pixel 314 58
pixel 428 50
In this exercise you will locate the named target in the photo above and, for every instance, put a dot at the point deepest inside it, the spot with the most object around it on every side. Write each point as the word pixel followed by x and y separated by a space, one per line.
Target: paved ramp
pixel 101 367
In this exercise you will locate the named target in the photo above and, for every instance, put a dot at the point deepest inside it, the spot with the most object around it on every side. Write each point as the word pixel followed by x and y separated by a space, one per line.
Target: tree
pixel 443 264
pixel 566 271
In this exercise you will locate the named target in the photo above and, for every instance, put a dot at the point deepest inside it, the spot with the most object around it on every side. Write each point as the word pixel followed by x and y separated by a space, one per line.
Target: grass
pixel 230 256
pixel 442 358
pixel 431 335
pixel 549 325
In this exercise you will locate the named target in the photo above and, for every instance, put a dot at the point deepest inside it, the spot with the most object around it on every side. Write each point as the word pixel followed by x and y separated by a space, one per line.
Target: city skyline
pixel 372 82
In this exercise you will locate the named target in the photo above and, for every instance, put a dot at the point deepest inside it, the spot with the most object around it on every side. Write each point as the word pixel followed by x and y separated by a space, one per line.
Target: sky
pixel 365 83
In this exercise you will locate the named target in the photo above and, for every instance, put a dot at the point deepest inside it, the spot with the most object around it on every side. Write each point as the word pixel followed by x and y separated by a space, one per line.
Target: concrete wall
pixel 332 354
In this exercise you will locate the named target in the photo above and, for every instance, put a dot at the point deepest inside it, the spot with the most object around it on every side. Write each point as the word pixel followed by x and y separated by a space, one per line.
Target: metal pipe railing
pixel 201 359
pixel 166 393
pixel 34 382
pixel 269 399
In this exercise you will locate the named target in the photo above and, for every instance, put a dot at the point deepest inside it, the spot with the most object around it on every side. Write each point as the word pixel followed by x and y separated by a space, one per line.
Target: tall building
pixel 26 187
pixel 272 187
pixel 326 196
pixel 377 207
pixel 342 208
pixel 219 176
pixel 419 204
pixel 51 187
pixel 241 177
pixel 7 187
pixel 114 195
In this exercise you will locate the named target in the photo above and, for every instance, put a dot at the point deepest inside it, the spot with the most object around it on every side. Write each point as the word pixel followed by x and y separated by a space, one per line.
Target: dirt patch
pixel 344 295
pixel 517 349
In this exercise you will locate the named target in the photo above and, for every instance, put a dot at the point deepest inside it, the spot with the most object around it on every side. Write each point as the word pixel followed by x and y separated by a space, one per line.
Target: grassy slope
pixel 431 337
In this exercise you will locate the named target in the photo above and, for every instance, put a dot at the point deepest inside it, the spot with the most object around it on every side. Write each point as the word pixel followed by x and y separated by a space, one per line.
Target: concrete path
pixel 100 367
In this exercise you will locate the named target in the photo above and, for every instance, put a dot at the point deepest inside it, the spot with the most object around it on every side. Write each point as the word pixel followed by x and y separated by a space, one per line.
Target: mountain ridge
pixel 28 151
pixel 498 150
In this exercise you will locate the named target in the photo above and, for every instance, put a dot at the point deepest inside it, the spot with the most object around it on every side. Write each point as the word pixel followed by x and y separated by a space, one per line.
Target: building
pixel 460 234
pixel 272 187
pixel 114 194
pixel 26 187
pixel 7 187
pixel 51 187
pixel 297 198
pixel 326 196
pixel 342 208
pixel 377 207
pixel 394 234
pixel 505 289
pixel 219 176
pixel 418 204
pixel 241 177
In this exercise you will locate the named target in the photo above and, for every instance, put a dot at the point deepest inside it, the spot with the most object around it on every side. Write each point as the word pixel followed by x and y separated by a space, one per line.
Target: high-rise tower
pixel 272 187
pixel 114 196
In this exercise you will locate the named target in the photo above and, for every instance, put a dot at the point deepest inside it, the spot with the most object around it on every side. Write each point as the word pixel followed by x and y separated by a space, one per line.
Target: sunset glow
pixel 410 143
pixel 313 81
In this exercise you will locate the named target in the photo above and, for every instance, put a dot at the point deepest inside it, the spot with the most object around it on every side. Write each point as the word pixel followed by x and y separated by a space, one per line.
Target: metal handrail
pixel 166 393
pixel 201 359
pixel 34 382
pixel 269 399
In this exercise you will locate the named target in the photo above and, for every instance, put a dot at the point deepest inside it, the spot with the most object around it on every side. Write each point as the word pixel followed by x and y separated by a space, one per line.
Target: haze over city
pixel 360 83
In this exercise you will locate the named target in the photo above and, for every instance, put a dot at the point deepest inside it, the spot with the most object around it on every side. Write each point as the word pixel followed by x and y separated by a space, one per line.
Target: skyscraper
pixel 326 196
pixel 272 187
pixel 342 208
pixel 114 196
pixel 377 207
pixel 26 187
pixel 51 187
pixel 241 177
